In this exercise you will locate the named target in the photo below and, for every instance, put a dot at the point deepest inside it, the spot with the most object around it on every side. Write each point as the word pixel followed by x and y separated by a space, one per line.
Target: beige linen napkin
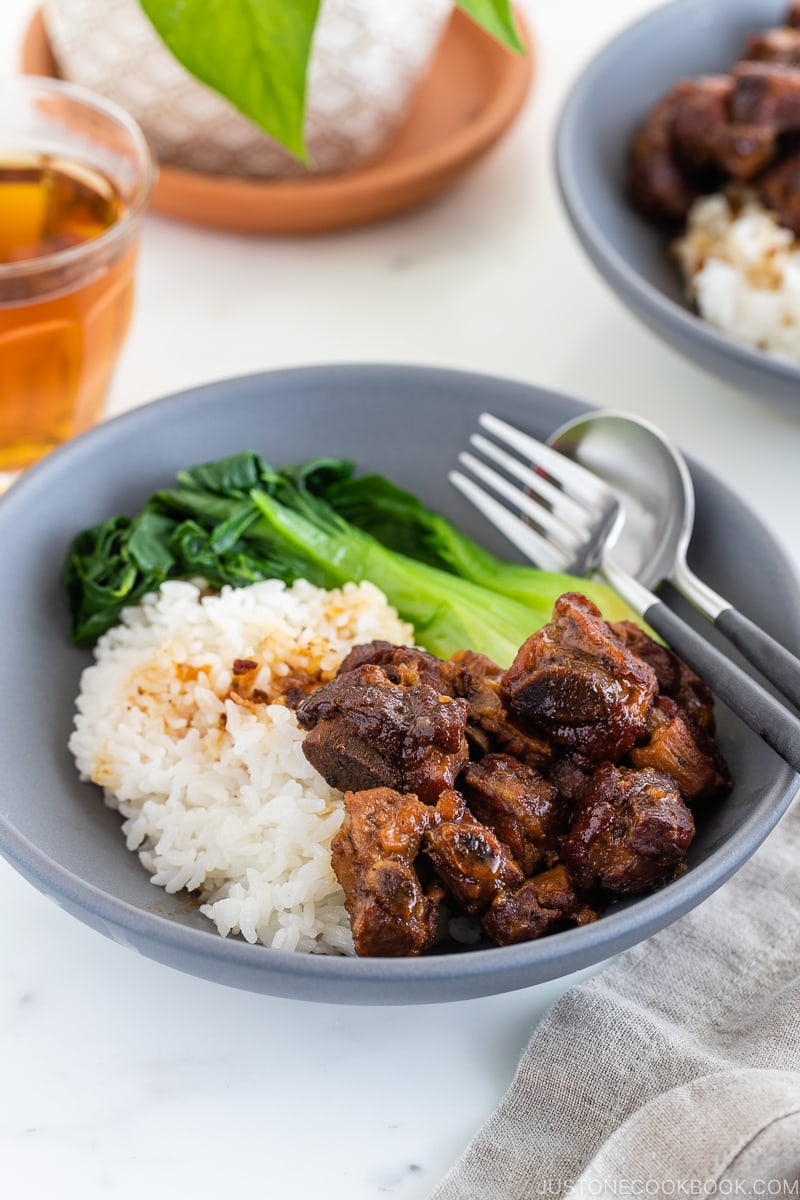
pixel 675 1072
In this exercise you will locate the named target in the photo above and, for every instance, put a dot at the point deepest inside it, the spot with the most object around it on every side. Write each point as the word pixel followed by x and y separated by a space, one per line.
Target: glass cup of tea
pixel 76 175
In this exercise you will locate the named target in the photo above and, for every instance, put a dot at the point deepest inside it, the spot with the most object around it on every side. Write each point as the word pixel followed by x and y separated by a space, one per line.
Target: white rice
pixel 742 271
pixel 216 793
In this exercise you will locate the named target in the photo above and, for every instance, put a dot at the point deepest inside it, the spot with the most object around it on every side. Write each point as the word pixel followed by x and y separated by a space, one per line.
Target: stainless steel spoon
pixel 655 487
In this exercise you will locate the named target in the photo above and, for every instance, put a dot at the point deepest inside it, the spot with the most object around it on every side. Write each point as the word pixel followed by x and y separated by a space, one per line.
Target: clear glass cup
pixel 76 174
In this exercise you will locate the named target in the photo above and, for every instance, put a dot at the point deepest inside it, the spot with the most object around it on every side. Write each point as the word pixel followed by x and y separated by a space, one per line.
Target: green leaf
pixel 147 543
pixel 254 52
pixel 497 18
pixel 234 476
pixel 101 577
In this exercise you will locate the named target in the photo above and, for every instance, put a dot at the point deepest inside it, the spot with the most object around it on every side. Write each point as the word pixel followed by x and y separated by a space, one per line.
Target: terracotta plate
pixel 473 92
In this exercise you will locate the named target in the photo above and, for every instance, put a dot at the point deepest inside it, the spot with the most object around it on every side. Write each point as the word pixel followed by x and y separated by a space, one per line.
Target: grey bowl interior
pixel 610 98
pixel 408 423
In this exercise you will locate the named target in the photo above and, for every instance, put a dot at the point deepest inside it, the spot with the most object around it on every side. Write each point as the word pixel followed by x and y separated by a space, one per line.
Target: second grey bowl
pixel 610 98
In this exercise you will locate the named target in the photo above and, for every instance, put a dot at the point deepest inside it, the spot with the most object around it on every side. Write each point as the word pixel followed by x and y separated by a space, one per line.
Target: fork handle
pixel 778 727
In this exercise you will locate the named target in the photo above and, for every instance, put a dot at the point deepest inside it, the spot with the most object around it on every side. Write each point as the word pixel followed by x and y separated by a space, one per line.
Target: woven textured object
pixel 367 60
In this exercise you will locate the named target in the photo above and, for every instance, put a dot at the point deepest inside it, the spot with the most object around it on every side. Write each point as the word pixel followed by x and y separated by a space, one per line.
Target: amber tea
pixel 57 351
pixel 68 238
pixel 47 204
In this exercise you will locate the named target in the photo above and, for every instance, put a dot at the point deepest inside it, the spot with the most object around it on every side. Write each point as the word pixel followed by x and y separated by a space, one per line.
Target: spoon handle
pixel 758 708
pixel 777 664
pixel 772 659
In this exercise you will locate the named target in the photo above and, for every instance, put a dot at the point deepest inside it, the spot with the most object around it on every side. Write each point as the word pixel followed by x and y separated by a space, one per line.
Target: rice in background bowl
pixel 741 269
pixel 216 794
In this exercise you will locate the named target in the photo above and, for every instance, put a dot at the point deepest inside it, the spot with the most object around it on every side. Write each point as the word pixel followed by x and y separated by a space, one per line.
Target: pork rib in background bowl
pixel 609 101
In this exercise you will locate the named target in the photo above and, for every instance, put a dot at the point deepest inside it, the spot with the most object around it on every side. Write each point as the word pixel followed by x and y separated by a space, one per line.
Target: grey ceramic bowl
pixel 409 424
pixel 611 97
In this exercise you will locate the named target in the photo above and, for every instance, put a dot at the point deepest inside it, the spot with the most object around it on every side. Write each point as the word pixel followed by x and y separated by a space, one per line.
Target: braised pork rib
pixel 524 800
pixel 742 127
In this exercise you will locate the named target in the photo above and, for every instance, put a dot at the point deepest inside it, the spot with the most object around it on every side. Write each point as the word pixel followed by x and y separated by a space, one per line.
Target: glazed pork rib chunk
pixel 403 665
pixel 519 804
pixel 656 184
pixel 490 726
pixel 373 856
pixel 543 902
pixel 766 94
pixel 739 128
pixel 688 754
pixel 675 679
pixel 780 45
pixel 703 131
pixel 706 141
pixel 779 190
pixel 526 800
pixel 700 114
pixel 470 860
pixel 579 685
pixel 366 731
pixel 631 831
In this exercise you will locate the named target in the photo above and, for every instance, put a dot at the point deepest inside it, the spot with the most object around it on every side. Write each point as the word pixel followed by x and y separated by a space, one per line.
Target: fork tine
pixel 572 513
pixel 571 475
pixel 548 522
pixel 531 543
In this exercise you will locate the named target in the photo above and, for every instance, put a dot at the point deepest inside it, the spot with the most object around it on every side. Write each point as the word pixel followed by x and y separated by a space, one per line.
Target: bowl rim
pixel 417 978
pixel 599 248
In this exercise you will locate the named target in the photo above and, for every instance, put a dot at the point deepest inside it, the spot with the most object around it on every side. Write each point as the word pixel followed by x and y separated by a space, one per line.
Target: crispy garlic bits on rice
pixel 182 720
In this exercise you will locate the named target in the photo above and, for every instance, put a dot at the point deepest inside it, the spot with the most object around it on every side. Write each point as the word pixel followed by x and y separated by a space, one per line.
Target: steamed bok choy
pixel 239 520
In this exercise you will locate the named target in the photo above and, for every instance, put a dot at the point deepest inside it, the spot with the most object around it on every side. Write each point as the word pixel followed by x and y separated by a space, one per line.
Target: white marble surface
pixel 121 1078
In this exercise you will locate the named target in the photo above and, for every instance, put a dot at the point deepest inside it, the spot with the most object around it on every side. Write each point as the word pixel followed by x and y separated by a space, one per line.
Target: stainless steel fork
pixel 564 518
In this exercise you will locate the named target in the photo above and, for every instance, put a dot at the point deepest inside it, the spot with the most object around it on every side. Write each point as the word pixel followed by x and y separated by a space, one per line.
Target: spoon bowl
pixel 651 480
pixel 654 486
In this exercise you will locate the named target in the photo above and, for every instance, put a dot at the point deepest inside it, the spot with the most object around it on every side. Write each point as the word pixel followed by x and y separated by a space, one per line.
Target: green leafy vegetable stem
pixel 238 520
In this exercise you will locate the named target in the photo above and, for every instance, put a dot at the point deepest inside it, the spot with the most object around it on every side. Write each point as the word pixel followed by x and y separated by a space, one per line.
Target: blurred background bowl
pixel 609 100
